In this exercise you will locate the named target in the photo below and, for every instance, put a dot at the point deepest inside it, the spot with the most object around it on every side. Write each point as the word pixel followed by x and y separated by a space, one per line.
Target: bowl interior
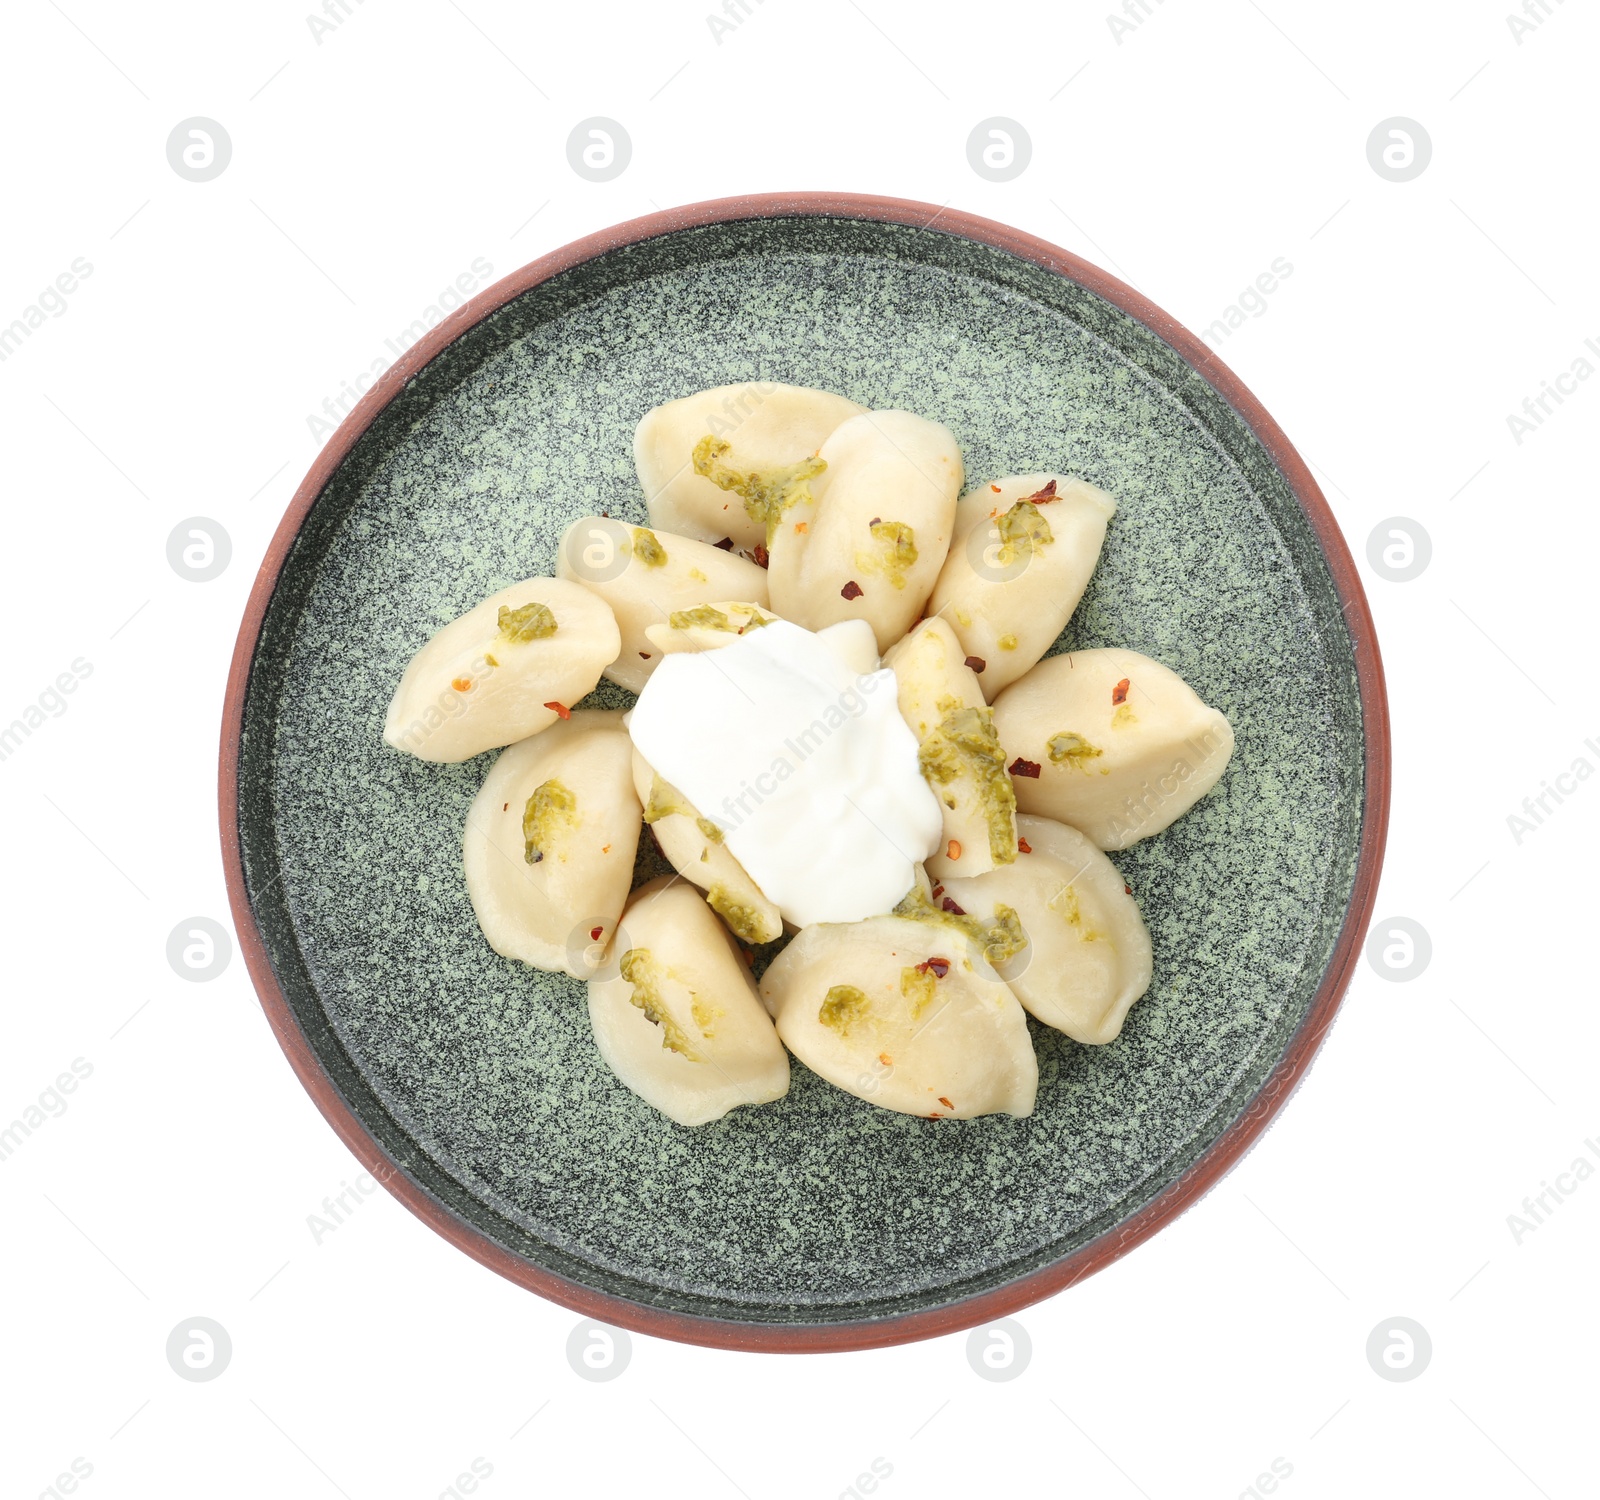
pixel 479 1076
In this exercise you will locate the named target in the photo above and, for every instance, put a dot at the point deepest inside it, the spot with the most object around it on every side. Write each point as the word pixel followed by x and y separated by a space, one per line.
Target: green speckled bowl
pixel 471 1085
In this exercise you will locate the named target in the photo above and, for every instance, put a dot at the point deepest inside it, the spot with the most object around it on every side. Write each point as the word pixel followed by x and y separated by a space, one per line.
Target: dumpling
pixel 706 626
pixel 550 843
pixel 694 847
pixel 502 671
pixel 676 1016
pixel 1020 560
pixel 765 426
pixel 1088 953
pixel 905 1014
pixel 959 753
pixel 714 625
pixel 868 534
pixel 646 578
pixel 1110 742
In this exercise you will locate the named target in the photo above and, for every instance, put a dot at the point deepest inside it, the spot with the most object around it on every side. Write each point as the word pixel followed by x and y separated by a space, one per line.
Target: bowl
pixel 470 1084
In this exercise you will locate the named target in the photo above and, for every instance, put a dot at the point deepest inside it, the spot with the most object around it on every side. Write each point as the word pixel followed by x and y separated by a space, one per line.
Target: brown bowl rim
pixel 1217 1159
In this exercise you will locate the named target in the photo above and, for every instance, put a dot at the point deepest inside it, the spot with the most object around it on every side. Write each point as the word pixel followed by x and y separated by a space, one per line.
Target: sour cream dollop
pixel 791 742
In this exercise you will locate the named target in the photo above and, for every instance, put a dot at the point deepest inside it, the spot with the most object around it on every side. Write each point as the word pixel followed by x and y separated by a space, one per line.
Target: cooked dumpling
pixel 1088 953
pixel 647 577
pixel 1111 743
pixel 867 535
pixel 675 1013
pixel 959 752
pixel 755 426
pixel 550 842
pixel 905 1014
pixel 707 626
pixel 1023 551
pixel 694 847
pixel 497 674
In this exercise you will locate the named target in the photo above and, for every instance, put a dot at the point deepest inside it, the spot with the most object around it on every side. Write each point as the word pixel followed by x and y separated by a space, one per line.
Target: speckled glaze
pixel 478 1078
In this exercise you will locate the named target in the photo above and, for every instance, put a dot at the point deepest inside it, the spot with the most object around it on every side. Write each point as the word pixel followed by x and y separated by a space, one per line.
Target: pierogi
pixel 905 1015
pixel 646 577
pixel 765 427
pixel 676 1016
pixel 550 844
pixel 1110 742
pixel 506 669
pixel 694 847
pixel 1087 957
pixel 867 536
pixel 1020 559
pixel 959 753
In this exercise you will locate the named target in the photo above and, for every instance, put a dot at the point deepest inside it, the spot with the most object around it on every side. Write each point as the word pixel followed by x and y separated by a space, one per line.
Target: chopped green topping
pixel 844 1006
pixel 1070 749
pixel 896 552
pixel 647 549
pixel 743 919
pixel 702 616
pixel 1023 532
pixel 1007 642
pixel 1000 937
pixel 965 746
pixel 533 622
pixel 1124 716
pixel 918 986
pixel 644 974
pixel 708 830
pixel 664 801
pixel 550 811
pixel 766 493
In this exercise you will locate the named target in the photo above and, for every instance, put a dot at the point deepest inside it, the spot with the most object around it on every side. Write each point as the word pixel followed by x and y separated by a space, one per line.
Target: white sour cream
pixel 791 742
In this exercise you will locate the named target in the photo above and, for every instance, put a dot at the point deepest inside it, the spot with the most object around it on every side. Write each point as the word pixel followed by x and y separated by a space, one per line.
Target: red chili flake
pixel 594 934
pixel 726 544
pixel 1023 846
pixel 938 967
pixel 977 663
pixel 1127 890
pixel 874 521
pixel 560 709
pixel 947 1104
pixel 461 684
pixel 937 892
pixel 1119 694
pixel 1046 495
pixel 851 590
pixel 505 807
pixel 995 488
pixel 1021 767
pixel 760 555
pixel 645 655
pixel 952 908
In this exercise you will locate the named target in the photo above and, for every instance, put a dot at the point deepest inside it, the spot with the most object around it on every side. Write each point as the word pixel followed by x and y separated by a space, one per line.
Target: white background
pixel 372 167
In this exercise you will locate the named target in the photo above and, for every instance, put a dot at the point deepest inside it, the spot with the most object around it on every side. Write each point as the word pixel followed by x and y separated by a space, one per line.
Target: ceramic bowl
pixel 470 1084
